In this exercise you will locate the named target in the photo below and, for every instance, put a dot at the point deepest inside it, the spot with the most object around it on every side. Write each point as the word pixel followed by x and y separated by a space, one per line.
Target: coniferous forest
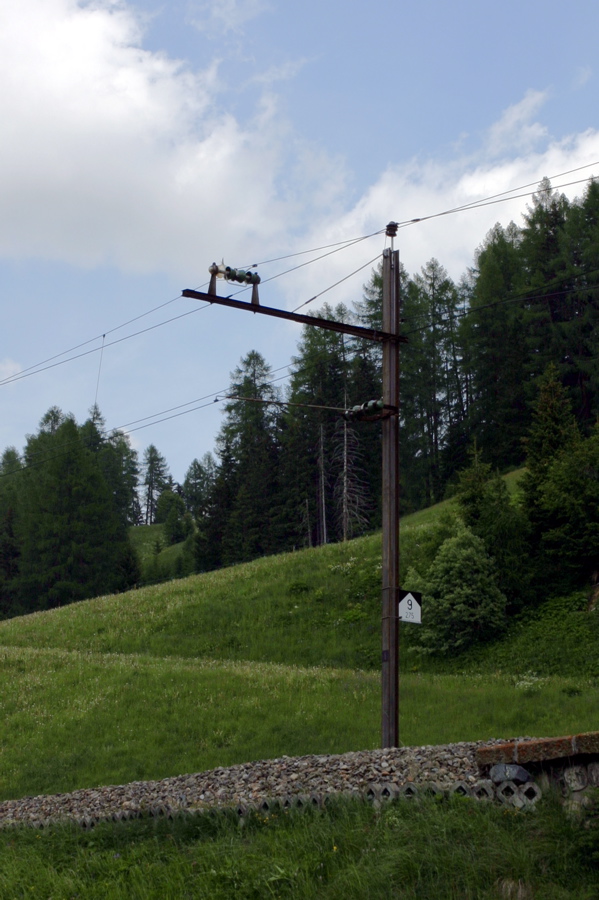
pixel 501 370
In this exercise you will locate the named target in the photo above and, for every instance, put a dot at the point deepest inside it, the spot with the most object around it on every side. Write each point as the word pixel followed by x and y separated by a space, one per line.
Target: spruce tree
pixel 72 540
pixel 250 433
pixel 156 475
pixel 553 431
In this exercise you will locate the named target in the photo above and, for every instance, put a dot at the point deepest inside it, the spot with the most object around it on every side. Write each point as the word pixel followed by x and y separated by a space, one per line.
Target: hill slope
pixel 278 656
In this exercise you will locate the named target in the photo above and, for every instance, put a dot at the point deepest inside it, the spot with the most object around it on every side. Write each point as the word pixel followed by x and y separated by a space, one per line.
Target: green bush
pixel 462 603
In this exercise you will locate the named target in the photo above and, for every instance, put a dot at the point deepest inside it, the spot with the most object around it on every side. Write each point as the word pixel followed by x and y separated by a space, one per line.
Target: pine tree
pixel 9 565
pixel 494 336
pixel 198 485
pixel 118 463
pixel 155 480
pixel 546 282
pixel 569 503
pixel 320 379
pixel 486 508
pixel 553 430
pixel 72 541
pixel 579 262
pixel 250 436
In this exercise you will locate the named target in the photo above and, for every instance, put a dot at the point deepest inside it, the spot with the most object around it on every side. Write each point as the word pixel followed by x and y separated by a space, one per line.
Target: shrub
pixel 462 603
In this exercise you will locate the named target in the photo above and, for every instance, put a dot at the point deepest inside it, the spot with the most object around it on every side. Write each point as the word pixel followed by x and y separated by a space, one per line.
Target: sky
pixel 141 141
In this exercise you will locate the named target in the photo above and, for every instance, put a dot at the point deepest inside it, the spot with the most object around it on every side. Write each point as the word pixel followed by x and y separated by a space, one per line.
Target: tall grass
pixel 73 720
pixel 455 850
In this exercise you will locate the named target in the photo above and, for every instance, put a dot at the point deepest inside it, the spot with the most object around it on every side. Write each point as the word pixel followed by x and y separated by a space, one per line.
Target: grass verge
pixel 453 850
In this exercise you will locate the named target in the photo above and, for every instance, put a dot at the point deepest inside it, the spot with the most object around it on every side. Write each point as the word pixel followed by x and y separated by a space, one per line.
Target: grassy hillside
pixel 279 657
pixel 319 606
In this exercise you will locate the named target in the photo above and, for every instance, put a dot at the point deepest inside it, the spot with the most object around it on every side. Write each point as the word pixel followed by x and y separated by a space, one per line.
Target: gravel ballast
pixel 253 782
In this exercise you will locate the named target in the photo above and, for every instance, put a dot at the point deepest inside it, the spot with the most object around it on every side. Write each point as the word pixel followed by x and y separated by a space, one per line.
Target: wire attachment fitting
pixel 371 411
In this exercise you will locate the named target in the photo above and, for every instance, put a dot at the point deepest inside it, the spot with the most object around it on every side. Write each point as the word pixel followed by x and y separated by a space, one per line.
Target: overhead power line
pixel 504 196
pixel 490 201
pixel 126 429
pixel 28 372
pixel 91 340
pixel 341 280
pixel 340 244
pixel 285 403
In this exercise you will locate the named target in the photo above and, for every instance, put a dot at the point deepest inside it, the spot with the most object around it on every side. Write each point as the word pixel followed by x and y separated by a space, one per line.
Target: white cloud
pixel 423 189
pixel 284 72
pixel 217 17
pixel 114 154
pixel 516 131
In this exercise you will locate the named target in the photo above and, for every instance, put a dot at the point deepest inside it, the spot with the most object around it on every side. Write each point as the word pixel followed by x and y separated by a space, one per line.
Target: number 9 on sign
pixel 410 607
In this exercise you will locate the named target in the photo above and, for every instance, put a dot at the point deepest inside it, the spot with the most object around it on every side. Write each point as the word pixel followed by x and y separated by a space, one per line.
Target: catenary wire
pixel 213 397
pixel 285 403
pixel 177 410
pixel 348 241
pixel 341 280
pixel 26 374
pixel 479 204
pixel 96 338
pixel 495 198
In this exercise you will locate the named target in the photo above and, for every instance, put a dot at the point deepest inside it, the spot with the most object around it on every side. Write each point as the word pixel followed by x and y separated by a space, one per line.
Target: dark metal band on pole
pixel 390 523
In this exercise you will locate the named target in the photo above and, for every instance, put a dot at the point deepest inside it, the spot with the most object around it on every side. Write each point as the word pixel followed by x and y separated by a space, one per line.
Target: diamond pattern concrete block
pixel 483 790
pixel 373 792
pixel 431 789
pixel 530 793
pixel 506 791
pixel 461 789
pixel 388 791
pixel 409 791
pixel 316 799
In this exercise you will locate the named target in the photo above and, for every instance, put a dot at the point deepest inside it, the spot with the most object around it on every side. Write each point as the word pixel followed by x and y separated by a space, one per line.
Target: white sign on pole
pixel 410 607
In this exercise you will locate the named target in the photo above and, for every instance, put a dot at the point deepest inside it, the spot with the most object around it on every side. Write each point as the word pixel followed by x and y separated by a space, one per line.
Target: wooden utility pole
pixel 388 411
pixel 390 425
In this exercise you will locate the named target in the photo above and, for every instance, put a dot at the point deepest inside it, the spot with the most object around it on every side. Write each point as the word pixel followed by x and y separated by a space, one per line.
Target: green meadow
pixel 280 657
